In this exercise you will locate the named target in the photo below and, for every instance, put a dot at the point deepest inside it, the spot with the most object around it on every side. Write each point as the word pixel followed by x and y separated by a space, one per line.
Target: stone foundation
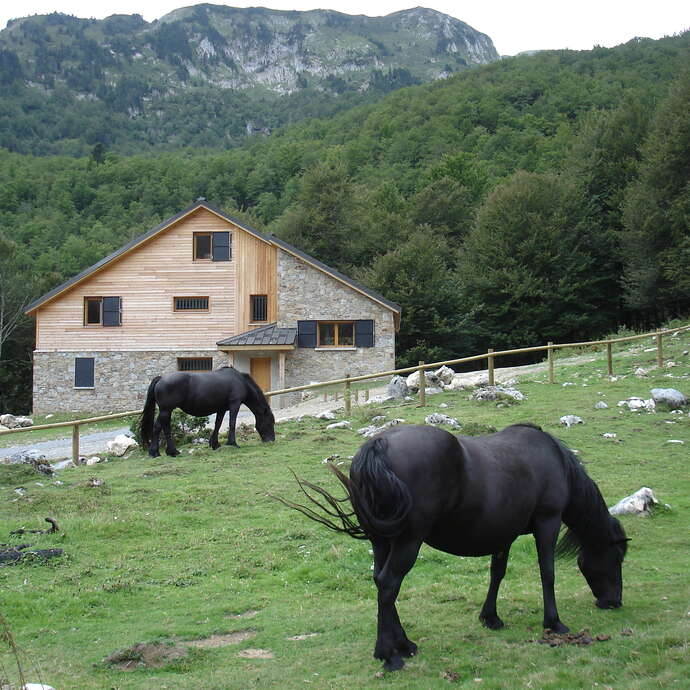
pixel 121 379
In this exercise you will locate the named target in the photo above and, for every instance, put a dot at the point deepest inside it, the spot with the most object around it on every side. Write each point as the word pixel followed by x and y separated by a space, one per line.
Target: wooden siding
pixel 256 275
pixel 149 277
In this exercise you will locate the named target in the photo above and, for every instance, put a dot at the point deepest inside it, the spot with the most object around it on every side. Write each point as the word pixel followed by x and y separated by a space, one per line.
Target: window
pixel 336 334
pixel 212 246
pixel 194 363
pixel 191 303
pixel 102 311
pixel 83 372
pixel 259 307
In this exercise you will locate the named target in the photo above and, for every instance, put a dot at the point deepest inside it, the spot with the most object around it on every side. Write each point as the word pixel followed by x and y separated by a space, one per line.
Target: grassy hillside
pixel 192 549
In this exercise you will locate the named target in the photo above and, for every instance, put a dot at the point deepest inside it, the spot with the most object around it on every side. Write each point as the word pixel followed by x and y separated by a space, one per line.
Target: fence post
pixel 75 444
pixel 609 358
pixel 659 349
pixel 366 394
pixel 348 395
pixel 490 363
pixel 552 378
pixel 422 385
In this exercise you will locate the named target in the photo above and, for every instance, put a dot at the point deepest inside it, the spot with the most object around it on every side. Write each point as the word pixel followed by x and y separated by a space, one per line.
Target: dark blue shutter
pixel 83 372
pixel 111 311
pixel 306 334
pixel 220 246
pixel 364 333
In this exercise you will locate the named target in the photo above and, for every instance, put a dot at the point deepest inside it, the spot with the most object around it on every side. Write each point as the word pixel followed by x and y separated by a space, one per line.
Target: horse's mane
pixel 586 515
pixel 254 387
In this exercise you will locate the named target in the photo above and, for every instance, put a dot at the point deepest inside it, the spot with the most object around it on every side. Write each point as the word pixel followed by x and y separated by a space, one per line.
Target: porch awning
pixel 269 337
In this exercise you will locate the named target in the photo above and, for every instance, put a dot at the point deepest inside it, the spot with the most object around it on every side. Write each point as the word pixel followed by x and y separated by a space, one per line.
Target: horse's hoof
pixel 155 455
pixel 407 648
pixel 558 628
pixel 173 453
pixel 492 622
pixel 395 663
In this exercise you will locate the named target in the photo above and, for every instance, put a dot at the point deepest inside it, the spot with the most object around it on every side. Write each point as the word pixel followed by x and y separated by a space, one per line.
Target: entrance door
pixel 260 371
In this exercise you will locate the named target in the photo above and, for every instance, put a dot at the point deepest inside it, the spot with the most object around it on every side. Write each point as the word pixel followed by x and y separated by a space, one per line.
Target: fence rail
pixel 348 380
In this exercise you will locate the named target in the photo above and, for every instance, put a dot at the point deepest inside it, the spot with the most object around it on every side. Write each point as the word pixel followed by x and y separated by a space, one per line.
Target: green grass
pixel 175 549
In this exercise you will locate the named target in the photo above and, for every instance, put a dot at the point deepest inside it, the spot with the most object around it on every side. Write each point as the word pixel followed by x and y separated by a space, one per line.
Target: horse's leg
pixel 404 645
pixel 164 419
pixel 391 642
pixel 488 615
pixel 213 441
pixel 154 446
pixel 545 535
pixel 233 409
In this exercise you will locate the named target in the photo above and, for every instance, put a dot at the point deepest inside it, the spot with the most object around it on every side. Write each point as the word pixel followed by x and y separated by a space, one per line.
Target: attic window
pixel 102 311
pixel 212 246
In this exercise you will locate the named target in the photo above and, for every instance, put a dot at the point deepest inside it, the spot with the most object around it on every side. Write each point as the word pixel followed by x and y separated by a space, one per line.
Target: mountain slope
pixel 240 62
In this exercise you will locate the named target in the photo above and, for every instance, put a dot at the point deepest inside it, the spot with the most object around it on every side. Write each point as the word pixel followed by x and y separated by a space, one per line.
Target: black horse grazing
pixel 201 394
pixel 471 496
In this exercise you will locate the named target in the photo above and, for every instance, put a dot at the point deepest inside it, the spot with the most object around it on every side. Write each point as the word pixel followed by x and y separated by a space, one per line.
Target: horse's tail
pixel 146 421
pixel 380 500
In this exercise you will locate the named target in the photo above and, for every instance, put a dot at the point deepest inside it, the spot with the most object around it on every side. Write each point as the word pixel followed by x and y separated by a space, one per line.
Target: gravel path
pixel 91 444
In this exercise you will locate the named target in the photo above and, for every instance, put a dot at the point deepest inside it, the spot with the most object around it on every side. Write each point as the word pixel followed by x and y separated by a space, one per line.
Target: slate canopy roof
pixel 264 336
pixel 202 203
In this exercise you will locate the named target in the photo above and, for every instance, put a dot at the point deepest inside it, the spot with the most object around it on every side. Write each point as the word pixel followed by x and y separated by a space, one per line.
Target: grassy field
pixel 232 590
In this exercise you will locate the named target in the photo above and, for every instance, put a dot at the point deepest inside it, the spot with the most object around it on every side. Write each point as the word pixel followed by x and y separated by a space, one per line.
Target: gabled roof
pixel 262 336
pixel 202 203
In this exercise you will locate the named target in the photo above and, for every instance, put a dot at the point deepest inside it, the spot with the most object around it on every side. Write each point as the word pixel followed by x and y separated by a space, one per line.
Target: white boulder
pixel 340 425
pixel 445 375
pixel 570 420
pixel 120 445
pixel 326 414
pixel 438 418
pixel 669 396
pixel 639 503
pixel 397 388
pixel 15 421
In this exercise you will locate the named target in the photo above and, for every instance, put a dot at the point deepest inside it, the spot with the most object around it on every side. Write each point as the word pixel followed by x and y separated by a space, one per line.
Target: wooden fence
pixel 348 380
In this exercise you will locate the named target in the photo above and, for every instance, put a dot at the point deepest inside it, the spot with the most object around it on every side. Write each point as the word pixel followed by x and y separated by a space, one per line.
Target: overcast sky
pixel 513 25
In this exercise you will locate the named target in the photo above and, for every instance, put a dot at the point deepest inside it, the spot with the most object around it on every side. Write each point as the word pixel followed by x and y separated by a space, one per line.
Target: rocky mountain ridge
pixel 127 60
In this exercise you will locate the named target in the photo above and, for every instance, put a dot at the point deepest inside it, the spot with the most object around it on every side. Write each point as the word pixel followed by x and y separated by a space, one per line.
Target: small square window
pixel 102 311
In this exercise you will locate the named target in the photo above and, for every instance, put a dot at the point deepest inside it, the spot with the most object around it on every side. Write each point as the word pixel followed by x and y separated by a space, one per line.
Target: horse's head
pixel 602 568
pixel 265 425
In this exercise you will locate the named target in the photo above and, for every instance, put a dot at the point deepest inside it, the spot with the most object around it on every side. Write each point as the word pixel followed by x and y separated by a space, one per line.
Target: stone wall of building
pixel 305 293
pixel 121 379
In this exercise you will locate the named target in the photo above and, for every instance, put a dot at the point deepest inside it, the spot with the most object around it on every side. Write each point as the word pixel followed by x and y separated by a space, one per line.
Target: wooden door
pixel 260 371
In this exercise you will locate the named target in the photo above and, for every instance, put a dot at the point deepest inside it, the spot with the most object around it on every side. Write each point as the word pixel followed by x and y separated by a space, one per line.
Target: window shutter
pixel 111 311
pixel 221 246
pixel 306 334
pixel 83 372
pixel 364 333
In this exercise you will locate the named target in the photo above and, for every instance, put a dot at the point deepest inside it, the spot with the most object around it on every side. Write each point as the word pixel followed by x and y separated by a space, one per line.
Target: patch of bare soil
pixel 146 655
pixel 256 654
pixel 247 614
pixel 580 639
pixel 222 640
pixel 299 638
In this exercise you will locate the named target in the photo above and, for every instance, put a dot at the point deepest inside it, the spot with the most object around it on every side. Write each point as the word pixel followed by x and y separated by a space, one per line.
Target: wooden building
pixel 199 291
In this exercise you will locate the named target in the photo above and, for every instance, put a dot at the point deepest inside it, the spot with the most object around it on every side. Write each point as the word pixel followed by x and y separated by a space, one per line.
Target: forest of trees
pixel 538 198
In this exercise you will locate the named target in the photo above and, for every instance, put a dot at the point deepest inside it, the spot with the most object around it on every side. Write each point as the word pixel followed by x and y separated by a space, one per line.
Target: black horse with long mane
pixel 471 496
pixel 201 394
